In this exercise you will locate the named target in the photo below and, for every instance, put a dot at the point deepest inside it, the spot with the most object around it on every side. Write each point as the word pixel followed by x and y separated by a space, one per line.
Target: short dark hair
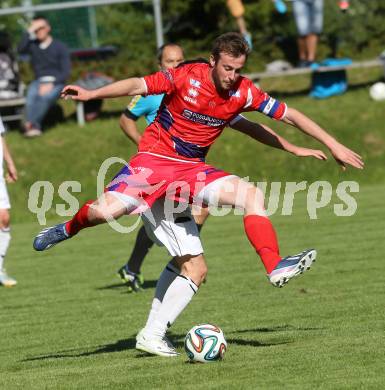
pixel 231 43
pixel 40 17
pixel 159 53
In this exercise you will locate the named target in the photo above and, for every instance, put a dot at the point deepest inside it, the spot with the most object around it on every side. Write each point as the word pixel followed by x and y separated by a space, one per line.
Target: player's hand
pixel 11 175
pixel 305 152
pixel 75 92
pixel 344 156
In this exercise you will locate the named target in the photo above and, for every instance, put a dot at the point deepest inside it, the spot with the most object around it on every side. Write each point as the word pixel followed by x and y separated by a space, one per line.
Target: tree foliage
pixel 358 33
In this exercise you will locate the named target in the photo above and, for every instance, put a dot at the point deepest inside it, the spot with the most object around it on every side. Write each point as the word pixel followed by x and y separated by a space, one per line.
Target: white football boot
pixel 155 345
pixel 6 280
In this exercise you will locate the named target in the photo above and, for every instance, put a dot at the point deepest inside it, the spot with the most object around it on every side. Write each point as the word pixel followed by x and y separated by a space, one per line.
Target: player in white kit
pixel 5 236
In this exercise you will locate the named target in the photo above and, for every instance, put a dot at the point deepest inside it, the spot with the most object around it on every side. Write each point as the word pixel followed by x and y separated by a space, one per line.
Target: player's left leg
pixel 259 230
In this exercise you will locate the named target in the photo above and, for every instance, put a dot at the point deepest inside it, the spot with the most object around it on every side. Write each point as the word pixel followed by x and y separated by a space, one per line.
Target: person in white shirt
pixel 5 236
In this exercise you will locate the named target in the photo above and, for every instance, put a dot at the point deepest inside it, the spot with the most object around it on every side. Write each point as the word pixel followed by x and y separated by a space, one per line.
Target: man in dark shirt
pixel 51 64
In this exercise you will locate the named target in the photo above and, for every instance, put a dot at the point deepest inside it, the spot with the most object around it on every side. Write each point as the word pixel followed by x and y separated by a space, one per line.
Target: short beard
pixel 218 84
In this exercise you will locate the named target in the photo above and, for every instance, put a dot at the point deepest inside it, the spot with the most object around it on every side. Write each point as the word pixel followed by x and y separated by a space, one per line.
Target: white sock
pixel 166 278
pixel 5 238
pixel 176 298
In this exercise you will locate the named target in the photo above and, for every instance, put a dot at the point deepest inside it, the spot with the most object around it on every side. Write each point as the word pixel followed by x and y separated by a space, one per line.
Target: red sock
pixel 262 237
pixel 80 220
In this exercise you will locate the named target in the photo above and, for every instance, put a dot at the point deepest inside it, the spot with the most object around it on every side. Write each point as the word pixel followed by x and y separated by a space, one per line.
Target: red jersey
pixel 193 113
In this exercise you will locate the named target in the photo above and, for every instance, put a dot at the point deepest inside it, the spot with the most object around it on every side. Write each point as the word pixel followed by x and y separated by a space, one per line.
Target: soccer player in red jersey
pixel 169 56
pixel 201 99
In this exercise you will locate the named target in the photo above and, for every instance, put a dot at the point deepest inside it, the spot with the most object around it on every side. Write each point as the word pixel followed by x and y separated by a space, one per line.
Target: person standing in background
pixel 237 9
pixel 308 16
pixel 5 236
pixel 51 64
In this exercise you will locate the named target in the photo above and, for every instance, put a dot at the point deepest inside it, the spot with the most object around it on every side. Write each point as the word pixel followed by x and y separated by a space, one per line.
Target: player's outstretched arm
pixel 343 155
pixel 129 87
pixel 267 136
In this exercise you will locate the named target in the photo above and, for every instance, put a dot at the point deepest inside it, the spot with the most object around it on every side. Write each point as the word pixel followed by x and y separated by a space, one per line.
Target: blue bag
pixel 326 84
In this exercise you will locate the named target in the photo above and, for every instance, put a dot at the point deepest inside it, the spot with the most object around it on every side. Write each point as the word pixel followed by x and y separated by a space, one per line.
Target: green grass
pixel 69 324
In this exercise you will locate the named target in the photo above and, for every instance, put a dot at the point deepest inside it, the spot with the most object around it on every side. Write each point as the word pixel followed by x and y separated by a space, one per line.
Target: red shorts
pixel 148 177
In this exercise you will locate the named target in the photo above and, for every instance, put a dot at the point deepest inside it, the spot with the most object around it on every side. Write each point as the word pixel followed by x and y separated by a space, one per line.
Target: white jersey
pixel 4 198
pixel 2 131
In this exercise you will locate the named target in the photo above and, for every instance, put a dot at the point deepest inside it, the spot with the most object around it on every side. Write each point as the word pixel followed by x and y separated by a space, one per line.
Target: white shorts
pixel 178 232
pixel 4 198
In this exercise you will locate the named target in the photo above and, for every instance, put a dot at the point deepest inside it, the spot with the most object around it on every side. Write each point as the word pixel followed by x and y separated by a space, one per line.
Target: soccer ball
pixel 205 343
pixel 377 91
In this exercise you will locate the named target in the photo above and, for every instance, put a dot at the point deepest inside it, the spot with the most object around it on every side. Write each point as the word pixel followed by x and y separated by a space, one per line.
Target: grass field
pixel 70 324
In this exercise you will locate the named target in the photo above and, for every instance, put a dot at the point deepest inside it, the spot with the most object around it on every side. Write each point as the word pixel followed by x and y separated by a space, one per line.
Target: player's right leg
pixel 179 280
pixel 130 273
pixel 259 230
pixel 177 285
pixel 90 214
